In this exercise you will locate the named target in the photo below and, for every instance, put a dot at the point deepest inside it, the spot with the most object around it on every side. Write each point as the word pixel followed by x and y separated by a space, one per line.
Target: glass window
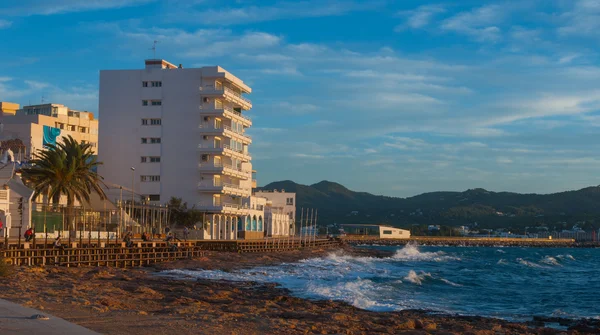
pixel 144 102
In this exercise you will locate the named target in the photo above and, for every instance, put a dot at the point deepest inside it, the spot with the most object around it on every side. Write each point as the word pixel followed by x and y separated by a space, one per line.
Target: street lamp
pixel 132 197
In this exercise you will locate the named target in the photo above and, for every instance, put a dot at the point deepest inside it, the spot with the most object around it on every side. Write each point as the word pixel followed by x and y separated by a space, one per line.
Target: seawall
pixel 474 242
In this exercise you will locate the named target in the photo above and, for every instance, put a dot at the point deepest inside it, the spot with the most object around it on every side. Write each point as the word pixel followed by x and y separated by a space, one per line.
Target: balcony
pixel 225 169
pixel 226 150
pixel 226 208
pixel 226 131
pixel 227 93
pixel 225 188
pixel 229 113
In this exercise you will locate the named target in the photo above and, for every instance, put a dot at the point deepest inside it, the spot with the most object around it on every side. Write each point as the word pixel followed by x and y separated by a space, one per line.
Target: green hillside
pixel 338 204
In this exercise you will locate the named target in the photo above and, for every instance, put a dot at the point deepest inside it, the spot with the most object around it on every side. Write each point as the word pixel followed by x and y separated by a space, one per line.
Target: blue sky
pixel 389 97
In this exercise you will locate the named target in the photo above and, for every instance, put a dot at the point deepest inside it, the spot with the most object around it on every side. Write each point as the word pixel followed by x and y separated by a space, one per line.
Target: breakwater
pixel 474 242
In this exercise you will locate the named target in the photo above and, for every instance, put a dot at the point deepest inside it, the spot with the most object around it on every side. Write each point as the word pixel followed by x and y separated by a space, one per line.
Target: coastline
pixel 131 301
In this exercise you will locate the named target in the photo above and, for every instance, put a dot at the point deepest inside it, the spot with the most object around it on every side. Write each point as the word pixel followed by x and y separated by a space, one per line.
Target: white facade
pixel 390 232
pixel 281 212
pixel 183 131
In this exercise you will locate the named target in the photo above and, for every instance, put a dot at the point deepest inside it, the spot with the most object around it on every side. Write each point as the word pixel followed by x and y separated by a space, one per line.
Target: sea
pixel 510 283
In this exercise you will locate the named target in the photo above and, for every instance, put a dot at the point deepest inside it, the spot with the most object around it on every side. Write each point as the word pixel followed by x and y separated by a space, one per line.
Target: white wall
pixel 395 233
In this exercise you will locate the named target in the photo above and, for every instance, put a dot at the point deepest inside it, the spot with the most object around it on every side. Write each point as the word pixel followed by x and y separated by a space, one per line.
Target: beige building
pixel 8 108
pixel 280 212
pixel 39 125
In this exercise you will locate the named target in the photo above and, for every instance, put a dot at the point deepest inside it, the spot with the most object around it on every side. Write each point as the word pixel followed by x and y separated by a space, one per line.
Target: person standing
pixel 186 232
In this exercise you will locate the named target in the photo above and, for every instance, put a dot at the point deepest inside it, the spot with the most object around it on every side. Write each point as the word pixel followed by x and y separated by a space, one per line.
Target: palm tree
pixel 65 169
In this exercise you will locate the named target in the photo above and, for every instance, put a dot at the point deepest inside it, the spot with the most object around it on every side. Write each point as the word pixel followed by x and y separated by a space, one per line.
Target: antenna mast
pixel 154 49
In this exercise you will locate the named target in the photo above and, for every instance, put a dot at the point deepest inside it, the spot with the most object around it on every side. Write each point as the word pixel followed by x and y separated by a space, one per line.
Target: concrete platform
pixel 16 319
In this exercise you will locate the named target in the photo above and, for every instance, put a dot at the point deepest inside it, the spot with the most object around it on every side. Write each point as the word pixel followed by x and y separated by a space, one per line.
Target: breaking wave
pixel 411 252
pixel 550 261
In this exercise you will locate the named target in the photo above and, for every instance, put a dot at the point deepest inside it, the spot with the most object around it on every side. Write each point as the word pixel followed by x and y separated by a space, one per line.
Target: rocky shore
pixel 137 301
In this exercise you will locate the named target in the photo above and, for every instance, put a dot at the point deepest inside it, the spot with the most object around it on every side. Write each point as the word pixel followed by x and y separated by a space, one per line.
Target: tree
pixel 67 169
pixel 182 215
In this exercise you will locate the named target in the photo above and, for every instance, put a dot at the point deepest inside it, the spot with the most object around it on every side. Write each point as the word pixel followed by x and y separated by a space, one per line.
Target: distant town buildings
pixel 39 125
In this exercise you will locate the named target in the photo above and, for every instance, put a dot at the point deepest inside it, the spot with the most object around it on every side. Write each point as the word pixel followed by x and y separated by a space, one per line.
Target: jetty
pixel 472 242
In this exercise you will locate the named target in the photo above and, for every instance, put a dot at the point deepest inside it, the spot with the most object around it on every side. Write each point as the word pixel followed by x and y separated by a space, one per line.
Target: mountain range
pixel 337 204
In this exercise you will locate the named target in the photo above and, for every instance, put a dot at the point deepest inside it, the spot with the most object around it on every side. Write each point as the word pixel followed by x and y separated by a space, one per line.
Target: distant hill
pixel 336 203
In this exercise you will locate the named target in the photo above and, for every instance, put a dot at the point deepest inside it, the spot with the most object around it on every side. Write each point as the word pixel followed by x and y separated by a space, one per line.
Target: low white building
pixel 375 231
pixel 280 212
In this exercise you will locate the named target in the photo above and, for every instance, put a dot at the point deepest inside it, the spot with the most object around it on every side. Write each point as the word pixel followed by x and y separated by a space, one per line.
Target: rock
pixel 430 326
pixel 142 313
pixel 418 324
pixel 340 317
pixel 409 324
pixel 39 317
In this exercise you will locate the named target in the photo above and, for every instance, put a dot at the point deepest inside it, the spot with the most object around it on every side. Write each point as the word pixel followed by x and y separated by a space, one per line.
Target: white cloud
pixel 420 17
pixel 310 156
pixel 5 24
pixel 278 11
pixel 479 23
pixel 50 7
pixel 582 19
pixel 504 160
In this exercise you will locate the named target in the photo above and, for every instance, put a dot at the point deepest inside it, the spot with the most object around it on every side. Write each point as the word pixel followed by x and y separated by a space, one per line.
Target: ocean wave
pixel 451 283
pixel 500 251
pixel 565 256
pixel 529 264
pixel 550 261
pixel 360 293
pixel 415 278
pixel 411 252
pixel 502 261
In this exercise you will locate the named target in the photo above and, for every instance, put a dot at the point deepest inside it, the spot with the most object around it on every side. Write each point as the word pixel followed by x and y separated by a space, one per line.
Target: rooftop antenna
pixel 154 49
pixel 42 99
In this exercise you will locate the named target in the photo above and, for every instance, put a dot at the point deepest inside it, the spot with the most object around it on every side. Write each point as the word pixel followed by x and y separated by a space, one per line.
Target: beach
pixel 139 300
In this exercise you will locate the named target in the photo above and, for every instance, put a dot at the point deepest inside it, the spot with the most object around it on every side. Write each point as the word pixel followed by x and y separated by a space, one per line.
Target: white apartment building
pixel 183 132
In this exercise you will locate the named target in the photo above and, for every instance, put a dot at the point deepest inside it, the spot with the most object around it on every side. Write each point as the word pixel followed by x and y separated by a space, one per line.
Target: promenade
pixel 16 319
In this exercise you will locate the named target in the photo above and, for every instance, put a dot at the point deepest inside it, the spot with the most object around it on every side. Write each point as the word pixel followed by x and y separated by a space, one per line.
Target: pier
pixel 473 242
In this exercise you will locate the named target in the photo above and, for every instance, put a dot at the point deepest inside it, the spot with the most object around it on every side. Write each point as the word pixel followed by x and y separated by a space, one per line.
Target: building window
pixel 289 201
pixel 151 122
pixel 151 179
pixel 83 130
pixel 151 140
pixel 156 103
pixel 154 159
pixel 143 159
pixel 154 197
pixel 157 84
pixel 387 232
pixel 72 128
pixel 144 102
pixel 144 84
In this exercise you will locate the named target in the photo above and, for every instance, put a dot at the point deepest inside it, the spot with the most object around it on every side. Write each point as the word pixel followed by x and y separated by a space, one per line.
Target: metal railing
pixel 236 131
pixel 220 184
pixel 233 111
pixel 221 165
pixel 236 94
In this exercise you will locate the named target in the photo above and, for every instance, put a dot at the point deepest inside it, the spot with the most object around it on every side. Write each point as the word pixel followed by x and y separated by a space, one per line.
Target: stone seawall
pixel 476 242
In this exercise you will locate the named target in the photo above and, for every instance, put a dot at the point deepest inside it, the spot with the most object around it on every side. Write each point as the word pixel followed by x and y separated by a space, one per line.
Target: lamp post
pixel 132 197
pixel 121 222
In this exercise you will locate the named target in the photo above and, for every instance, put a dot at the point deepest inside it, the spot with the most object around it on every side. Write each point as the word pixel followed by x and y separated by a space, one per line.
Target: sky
pixel 389 97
